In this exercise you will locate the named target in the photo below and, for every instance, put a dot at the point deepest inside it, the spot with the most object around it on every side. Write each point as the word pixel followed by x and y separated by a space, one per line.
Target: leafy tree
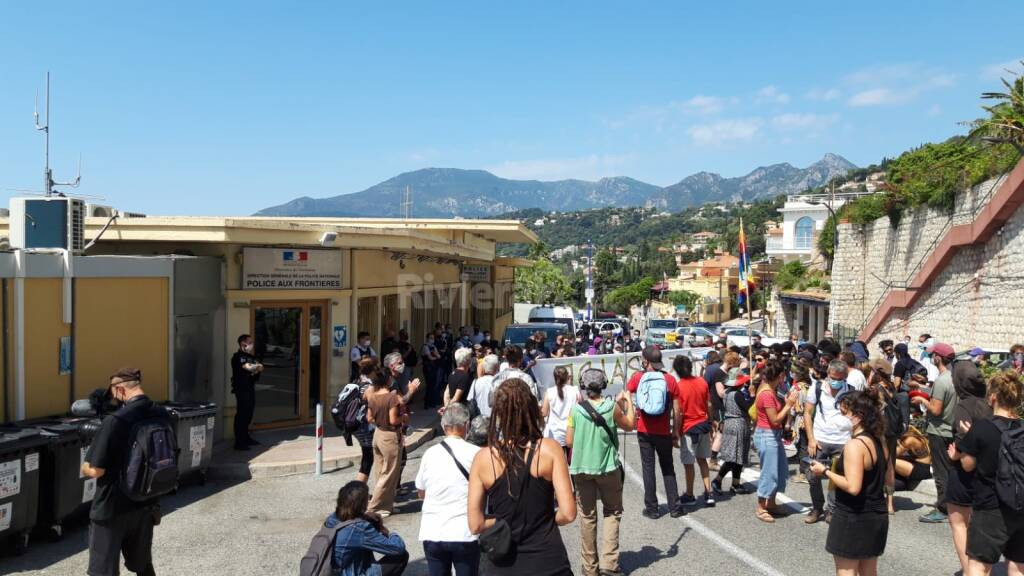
pixel 1006 117
pixel 685 298
pixel 542 283
pixel 620 299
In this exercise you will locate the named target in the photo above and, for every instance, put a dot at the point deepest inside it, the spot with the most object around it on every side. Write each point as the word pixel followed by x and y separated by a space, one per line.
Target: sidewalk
pixel 292 451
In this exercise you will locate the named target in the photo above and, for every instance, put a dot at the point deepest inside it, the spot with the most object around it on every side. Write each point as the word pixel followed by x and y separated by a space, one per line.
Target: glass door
pixel 288 343
pixel 278 336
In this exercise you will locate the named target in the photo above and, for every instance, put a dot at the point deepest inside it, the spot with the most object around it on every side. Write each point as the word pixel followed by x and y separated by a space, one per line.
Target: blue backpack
pixel 652 394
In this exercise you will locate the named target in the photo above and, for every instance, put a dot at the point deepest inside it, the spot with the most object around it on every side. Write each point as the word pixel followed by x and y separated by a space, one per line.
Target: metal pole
pixel 319 457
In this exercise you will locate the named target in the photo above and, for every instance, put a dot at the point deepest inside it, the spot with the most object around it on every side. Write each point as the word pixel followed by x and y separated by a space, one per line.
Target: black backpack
pixel 151 468
pixel 1010 470
pixel 895 425
pixel 317 561
pixel 414 357
pixel 349 410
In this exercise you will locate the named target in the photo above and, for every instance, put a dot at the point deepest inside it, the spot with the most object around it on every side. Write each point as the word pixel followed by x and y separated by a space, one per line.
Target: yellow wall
pixel 376 269
pixel 46 391
pixel 121 322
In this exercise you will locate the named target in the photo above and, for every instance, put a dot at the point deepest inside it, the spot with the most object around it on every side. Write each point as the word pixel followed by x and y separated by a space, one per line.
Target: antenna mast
pixel 407 203
pixel 48 181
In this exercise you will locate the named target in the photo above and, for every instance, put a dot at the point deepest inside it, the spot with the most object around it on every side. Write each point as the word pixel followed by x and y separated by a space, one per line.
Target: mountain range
pixel 453 192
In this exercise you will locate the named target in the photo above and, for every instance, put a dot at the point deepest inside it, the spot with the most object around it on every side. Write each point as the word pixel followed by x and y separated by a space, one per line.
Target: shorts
pixel 994 533
pixel 694 446
pixel 131 534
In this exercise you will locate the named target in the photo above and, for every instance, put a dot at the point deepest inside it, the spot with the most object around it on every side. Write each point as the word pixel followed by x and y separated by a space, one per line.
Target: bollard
pixel 319 439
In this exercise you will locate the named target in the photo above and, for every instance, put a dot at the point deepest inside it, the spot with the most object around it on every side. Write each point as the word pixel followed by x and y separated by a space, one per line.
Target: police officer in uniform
pixel 245 372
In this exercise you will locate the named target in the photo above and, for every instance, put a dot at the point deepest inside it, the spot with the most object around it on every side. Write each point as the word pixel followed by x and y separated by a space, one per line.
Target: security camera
pixel 327 239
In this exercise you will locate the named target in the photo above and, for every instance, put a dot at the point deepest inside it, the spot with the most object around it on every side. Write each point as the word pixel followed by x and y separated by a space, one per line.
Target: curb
pixel 243 471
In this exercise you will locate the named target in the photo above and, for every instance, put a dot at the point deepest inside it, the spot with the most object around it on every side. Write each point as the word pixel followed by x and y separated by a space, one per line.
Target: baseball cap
pixel 942 349
pixel 976 352
pixel 652 355
pixel 594 379
pixel 881 365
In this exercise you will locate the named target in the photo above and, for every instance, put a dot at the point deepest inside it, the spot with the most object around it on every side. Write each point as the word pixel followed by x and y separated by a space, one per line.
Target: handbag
pixel 600 421
pixel 497 540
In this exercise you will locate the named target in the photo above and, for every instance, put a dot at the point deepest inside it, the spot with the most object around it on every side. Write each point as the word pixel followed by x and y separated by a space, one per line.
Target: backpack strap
pixel 600 421
pixel 457 463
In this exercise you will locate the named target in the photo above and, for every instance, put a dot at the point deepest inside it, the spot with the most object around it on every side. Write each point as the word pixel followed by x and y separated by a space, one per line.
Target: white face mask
pixel 248 348
pixel 399 368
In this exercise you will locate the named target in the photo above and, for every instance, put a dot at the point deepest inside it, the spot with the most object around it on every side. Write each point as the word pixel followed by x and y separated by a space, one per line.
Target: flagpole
pixel 744 264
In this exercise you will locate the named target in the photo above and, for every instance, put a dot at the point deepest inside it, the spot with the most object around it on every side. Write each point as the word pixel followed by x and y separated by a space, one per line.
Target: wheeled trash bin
pixel 194 424
pixel 20 455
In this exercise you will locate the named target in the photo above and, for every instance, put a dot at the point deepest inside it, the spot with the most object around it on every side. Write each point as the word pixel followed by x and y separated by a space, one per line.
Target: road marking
pixel 752 477
pixel 719 540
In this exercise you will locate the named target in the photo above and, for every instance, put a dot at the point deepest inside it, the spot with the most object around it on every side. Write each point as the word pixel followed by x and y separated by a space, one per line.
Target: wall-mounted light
pixel 327 239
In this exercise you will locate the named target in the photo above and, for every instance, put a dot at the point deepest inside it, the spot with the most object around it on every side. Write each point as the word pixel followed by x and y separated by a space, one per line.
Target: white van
pixel 561 314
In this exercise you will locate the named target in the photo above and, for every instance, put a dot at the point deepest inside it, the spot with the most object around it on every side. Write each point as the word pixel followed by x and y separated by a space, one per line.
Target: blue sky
pixel 226 108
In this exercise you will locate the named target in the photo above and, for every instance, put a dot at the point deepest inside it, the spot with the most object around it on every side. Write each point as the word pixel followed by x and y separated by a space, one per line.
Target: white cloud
pixel 704 105
pixel 726 131
pixel 935 110
pixel 809 122
pixel 1003 69
pixel 894 84
pixel 589 167
pixel 824 95
pixel 771 95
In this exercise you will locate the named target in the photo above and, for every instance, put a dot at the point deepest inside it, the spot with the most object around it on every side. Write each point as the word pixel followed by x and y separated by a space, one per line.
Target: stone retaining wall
pixel 974 301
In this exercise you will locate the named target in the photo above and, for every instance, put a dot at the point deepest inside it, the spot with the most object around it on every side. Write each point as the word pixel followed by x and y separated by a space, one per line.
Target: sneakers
pixel 934 517
pixel 709 500
pixel 687 500
pixel 740 489
pixel 678 511
pixel 814 516
pixel 652 514
pixel 716 486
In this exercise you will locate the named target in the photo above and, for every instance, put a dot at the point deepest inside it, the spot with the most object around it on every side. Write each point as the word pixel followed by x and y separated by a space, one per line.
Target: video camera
pixel 91 410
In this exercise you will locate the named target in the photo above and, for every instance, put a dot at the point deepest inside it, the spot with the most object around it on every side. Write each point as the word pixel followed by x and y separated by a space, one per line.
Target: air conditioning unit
pixel 98 211
pixel 47 222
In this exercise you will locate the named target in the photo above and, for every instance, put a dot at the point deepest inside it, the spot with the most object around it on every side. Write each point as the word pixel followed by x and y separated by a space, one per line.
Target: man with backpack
pixel 126 505
pixel 654 389
pixel 827 430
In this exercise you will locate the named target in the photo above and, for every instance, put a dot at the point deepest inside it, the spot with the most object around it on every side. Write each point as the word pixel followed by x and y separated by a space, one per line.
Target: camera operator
pixel 245 371
pixel 117 523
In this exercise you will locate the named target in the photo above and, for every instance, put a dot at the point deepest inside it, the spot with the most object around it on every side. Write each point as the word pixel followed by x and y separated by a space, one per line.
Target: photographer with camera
pixel 245 372
pixel 125 507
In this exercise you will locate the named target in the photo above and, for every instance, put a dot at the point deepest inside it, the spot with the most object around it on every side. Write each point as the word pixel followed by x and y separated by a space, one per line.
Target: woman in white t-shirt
pixel 443 485
pixel 558 404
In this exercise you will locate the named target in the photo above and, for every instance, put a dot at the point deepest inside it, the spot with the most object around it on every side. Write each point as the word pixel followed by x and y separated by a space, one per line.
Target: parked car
pixel 738 337
pixel 518 334
pixel 993 356
pixel 694 336
pixel 609 326
pixel 658 329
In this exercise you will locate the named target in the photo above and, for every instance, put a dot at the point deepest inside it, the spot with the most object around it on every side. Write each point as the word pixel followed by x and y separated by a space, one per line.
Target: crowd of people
pixel 518 461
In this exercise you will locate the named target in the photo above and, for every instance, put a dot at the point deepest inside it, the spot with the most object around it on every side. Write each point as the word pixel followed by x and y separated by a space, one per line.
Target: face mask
pixel 248 348
pixel 399 368
pixel 836 384
pixel 365 343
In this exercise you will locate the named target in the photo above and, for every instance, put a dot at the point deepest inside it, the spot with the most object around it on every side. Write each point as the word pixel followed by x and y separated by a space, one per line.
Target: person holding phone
pixel 772 414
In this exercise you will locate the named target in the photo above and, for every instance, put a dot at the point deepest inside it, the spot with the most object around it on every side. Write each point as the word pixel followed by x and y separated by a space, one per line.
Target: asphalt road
pixel 263 527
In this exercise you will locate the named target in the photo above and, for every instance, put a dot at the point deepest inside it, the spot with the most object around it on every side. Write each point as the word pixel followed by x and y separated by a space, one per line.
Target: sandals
pixel 765 516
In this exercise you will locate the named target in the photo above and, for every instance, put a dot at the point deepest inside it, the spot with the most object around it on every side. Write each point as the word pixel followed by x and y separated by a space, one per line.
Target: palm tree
pixel 1006 118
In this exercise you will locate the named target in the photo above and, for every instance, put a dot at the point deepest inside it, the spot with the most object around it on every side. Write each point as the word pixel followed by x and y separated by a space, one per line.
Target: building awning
pixel 807 297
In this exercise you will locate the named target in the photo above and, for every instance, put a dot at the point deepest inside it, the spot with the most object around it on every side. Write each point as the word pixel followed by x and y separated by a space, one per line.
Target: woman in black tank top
pixel 518 479
pixel 860 519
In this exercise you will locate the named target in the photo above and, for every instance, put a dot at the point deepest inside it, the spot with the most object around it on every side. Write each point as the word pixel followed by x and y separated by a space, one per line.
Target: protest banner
pixel 618 367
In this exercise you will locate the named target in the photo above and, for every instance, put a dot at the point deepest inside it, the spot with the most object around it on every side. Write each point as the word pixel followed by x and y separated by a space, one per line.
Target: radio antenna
pixel 48 182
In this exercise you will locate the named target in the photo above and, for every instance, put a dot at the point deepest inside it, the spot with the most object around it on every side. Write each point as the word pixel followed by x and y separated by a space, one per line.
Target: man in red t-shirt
pixel 692 404
pixel 655 437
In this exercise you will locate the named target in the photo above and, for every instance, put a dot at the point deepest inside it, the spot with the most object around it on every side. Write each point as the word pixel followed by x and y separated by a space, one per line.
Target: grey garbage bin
pixel 194 424
pixel 20 459
pixel 63 490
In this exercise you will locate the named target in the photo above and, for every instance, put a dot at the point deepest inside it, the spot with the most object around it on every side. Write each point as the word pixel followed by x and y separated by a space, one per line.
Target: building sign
pixel 476 273
pixel 291 269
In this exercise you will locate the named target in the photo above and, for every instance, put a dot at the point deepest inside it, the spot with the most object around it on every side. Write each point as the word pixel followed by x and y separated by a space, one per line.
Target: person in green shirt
pixel 939 409
pixel 595 468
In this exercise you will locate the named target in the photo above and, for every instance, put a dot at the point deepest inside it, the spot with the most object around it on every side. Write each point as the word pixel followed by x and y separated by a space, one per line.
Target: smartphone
pixel 808 460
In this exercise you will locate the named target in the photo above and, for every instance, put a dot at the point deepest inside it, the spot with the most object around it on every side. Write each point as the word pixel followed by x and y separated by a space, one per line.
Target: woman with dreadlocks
pixel 522 475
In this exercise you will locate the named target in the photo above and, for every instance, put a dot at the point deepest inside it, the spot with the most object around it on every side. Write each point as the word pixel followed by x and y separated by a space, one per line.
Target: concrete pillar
pixel 820 316
pixel 812 324
pixel 353 310
pixel 378 338
pixel 798 324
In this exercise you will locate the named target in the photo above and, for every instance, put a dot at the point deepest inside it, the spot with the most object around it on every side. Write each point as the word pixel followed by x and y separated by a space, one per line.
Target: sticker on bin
pixel 32 462
pixel 10 478
pixel 196 443
pixel 6 516
pixel 211 422
pixel 88 490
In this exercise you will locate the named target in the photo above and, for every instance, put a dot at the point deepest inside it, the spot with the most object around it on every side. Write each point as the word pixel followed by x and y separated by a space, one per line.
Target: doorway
pixel 287 341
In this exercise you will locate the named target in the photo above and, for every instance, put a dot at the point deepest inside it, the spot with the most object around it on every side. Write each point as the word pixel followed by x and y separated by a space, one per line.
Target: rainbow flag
pixel 746 284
